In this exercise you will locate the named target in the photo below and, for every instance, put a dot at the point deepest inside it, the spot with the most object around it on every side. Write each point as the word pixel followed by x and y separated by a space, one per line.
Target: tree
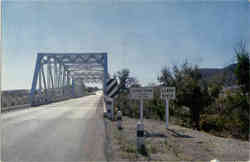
pixel 214 90
pixel 192 94
pixel 242 71
pixel 191 90
pixel 166 78
pixel 126 81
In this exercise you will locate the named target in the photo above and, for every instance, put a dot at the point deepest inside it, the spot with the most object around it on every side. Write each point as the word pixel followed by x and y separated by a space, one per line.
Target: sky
pixel 142 35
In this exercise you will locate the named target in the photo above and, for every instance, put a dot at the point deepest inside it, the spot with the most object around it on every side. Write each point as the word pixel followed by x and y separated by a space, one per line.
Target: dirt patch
pixel 174 144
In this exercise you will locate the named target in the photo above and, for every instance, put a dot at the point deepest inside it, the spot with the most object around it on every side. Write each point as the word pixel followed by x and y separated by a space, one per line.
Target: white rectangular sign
pixel 168 92
pixel 142 92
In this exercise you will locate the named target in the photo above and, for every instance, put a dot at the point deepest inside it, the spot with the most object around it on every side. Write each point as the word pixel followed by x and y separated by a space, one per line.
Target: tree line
pixel 200 103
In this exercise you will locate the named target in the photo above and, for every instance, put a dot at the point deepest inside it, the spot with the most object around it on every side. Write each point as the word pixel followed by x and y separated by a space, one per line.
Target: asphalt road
pixel 69 131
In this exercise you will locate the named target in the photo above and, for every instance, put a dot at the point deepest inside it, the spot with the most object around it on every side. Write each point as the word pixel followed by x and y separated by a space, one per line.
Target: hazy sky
pixel 140 35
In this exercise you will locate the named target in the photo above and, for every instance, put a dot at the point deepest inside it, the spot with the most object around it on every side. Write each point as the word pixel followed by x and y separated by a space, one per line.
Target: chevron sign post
pixel 111 93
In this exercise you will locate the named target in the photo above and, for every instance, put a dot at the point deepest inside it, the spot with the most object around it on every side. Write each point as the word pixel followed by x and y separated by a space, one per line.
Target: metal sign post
pixel 167 114
pixel 141 110
pixel 167 93
pixel 140 94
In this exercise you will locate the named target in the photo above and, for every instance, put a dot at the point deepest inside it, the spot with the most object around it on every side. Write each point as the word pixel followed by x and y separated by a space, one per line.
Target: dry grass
pixel 176 144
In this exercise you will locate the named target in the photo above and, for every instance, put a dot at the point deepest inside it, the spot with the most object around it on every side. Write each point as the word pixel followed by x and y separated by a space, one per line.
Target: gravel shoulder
pixel 174 144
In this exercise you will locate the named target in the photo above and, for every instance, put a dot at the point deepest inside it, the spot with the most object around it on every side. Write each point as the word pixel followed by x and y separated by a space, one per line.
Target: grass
pixel 127 144
pixel 130 148
pixel 127 147
pixel 152 149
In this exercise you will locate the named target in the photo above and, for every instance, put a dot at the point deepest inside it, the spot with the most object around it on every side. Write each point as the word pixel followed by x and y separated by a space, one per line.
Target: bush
pixel 215 124
pixel 228 115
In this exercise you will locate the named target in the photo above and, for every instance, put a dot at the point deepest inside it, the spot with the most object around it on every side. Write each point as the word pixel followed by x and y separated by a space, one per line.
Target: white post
pixel 140 128
pixel 141 110
pixel 167 114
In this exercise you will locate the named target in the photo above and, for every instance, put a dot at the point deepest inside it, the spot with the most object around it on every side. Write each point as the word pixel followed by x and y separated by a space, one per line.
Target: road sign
pixel 168 92
pixel 141 93
pixel 112 88
pixel 112 92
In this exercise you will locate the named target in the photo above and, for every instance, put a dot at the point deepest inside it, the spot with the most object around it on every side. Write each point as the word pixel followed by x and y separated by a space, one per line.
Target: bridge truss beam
pixel 56 73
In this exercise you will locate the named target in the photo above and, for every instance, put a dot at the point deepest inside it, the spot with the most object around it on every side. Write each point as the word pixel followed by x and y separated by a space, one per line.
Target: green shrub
pixel 212 122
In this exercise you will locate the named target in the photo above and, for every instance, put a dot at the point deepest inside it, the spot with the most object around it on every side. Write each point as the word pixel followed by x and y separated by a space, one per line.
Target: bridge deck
pixel 71 130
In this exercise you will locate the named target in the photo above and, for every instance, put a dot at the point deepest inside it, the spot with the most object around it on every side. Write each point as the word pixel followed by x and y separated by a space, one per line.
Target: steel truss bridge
pixel 59 76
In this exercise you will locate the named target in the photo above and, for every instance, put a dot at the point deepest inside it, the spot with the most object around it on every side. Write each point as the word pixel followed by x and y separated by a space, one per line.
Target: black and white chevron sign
pixel 112 88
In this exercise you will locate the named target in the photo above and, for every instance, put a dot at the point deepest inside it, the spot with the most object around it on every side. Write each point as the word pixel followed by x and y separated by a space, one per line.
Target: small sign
pixel 142 92
pixel 168 93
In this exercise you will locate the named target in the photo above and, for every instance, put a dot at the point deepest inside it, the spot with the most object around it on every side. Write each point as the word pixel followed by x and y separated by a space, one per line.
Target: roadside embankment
pixel 174 144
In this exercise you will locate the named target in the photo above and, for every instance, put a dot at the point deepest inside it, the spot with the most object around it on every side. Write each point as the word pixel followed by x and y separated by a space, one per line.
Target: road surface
pixel 69 131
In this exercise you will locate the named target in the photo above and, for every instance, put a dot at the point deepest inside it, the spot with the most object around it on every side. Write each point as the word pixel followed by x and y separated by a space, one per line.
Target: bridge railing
pixel 51 95
pixel 14 99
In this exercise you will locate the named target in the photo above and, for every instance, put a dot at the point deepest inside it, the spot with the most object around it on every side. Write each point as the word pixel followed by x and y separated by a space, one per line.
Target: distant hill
pixel 218 73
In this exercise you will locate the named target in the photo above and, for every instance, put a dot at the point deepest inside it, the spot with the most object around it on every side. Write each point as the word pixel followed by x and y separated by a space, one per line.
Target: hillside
pixel 215 73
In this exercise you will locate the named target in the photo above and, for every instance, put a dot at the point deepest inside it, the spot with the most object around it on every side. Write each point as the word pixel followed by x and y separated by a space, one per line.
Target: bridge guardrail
pixel 15 107
pixel 14 99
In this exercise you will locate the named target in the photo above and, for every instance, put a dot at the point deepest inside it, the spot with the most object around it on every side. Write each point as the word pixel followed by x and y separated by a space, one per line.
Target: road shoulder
pixel 175 144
